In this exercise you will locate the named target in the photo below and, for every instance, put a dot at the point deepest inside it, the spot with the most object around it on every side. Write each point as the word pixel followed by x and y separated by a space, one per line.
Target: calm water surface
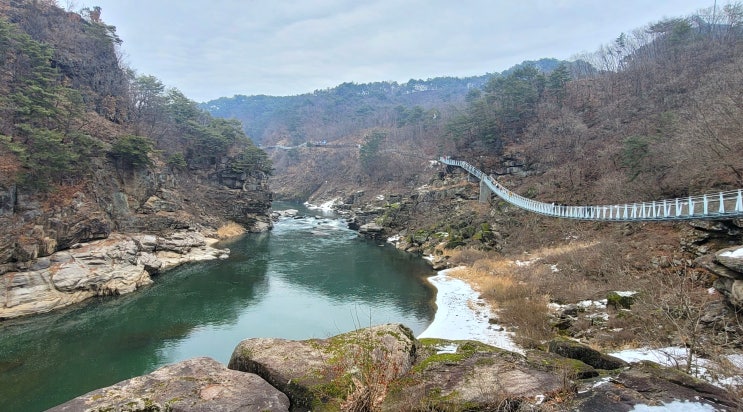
pixel 308 278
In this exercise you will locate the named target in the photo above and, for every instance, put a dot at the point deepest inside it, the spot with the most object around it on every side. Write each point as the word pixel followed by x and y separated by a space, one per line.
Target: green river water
pixel 308 278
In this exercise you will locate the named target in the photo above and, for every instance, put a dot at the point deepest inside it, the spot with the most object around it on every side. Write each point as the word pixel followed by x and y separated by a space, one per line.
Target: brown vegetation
pixel 230 230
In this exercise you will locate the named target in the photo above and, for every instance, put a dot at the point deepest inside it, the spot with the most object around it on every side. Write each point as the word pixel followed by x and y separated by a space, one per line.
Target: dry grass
pixel 520 289
pixel 519 303
pixel 230 230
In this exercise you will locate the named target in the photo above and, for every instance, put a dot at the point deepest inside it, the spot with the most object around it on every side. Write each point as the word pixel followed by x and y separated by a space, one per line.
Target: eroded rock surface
pixel 383 368
pixel 727 264
pixel 475 375
pixel 117 265
pixel 647 383
pixel 199 384
pixel 354 367
pixel 574 350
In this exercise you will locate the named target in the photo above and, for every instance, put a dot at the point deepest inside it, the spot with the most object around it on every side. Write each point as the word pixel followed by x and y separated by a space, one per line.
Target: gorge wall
pixel 106 177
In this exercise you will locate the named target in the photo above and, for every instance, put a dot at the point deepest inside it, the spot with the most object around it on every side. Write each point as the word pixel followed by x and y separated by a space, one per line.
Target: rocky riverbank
pixel 111 235
pixel 386 368
pixel 116 265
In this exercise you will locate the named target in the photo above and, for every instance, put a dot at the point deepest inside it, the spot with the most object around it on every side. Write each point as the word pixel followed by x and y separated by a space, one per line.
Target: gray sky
pixel 210 49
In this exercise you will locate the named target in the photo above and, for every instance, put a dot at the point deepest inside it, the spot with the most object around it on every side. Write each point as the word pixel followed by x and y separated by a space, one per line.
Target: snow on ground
pixel 675 356
pixel 675 406
pixel 737 253
pixel 462 315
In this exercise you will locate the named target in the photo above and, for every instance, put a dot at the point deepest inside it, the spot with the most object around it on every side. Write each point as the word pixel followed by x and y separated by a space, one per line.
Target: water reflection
pixel 107 340
pixel 308 278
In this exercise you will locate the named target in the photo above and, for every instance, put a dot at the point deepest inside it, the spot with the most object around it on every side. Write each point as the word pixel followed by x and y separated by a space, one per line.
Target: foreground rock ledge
pixel 199 384
pixel 384 368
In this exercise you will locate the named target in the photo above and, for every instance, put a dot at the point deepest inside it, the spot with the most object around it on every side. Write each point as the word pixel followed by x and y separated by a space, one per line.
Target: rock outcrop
pixel 384 368
pixel 727 264
pixel 199 384
pixel 352 368
pixel 573 350
pixel 110 236
pixel 647 383
pixel 117 265
pixel 468 375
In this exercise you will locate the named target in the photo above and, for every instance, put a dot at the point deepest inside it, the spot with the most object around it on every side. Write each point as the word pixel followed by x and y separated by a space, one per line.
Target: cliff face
pixel 90 152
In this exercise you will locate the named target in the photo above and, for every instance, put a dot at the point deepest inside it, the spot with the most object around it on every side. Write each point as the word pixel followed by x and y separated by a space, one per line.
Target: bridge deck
pixel 722 205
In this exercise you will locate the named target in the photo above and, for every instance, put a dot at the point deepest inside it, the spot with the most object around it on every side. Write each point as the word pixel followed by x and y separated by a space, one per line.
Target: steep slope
pixel 89 149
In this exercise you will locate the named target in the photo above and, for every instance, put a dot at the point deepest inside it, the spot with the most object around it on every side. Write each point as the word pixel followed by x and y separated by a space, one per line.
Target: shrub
pixel 132 151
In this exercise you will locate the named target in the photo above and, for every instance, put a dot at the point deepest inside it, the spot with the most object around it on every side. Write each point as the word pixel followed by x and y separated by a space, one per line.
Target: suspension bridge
pixel 717 206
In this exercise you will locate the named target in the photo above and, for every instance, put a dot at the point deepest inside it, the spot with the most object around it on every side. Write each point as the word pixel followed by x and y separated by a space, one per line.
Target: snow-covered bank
pixel 702 368
pixel 462 315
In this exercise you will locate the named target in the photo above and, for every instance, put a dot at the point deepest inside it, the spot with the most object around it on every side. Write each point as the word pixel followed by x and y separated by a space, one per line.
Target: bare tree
pixel 681 302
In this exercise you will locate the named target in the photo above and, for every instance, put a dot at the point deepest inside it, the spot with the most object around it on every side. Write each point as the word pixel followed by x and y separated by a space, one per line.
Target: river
pixel 307 278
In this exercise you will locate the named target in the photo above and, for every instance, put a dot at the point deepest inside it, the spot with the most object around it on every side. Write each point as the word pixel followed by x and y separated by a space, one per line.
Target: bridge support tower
pixel 484 192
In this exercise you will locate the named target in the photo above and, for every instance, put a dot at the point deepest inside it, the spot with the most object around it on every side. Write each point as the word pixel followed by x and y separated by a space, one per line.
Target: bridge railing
pixel 727 204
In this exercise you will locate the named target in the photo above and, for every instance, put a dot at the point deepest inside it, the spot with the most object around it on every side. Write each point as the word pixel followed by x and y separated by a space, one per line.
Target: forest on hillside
pixel 654 113
pixel 68 102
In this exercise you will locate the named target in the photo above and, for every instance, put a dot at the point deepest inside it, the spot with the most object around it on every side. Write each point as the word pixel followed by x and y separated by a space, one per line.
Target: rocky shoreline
pixel 385 368
pixel 117 265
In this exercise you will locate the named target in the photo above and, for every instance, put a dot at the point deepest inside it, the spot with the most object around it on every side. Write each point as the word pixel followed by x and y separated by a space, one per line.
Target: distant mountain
pixel 270 118
pixel 266 118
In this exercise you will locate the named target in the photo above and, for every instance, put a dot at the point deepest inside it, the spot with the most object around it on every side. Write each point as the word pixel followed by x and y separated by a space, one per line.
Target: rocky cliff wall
pixel 43 236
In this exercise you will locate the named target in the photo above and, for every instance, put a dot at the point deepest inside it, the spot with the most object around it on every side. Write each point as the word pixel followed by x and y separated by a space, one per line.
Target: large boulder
pixel 711 263
pixel 199 384
pixel 574 350
pixel 732 258
pixel 351 370
pixel 469 375
pixel 732 289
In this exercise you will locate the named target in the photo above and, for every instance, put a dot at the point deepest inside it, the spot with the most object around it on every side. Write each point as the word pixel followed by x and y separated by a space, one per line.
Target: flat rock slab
pixel 199 384
pixel 475 376
pixel 647 383
pixel 731 258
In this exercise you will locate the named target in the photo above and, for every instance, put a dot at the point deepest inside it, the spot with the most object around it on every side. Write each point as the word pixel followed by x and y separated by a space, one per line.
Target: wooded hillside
pixel 652 114
pixel 86 142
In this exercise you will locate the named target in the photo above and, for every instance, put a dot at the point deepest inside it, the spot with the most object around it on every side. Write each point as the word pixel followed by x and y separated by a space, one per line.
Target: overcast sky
pixel 210 49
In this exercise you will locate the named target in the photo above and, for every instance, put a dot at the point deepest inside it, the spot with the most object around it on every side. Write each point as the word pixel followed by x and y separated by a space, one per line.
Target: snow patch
pixel 599 315
pixel 737 253
pixel 451 348
pixel 625 294
pixel 675 406
pixel 675 357
pixel 522 263
pixel 596 304
pixel 460 315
